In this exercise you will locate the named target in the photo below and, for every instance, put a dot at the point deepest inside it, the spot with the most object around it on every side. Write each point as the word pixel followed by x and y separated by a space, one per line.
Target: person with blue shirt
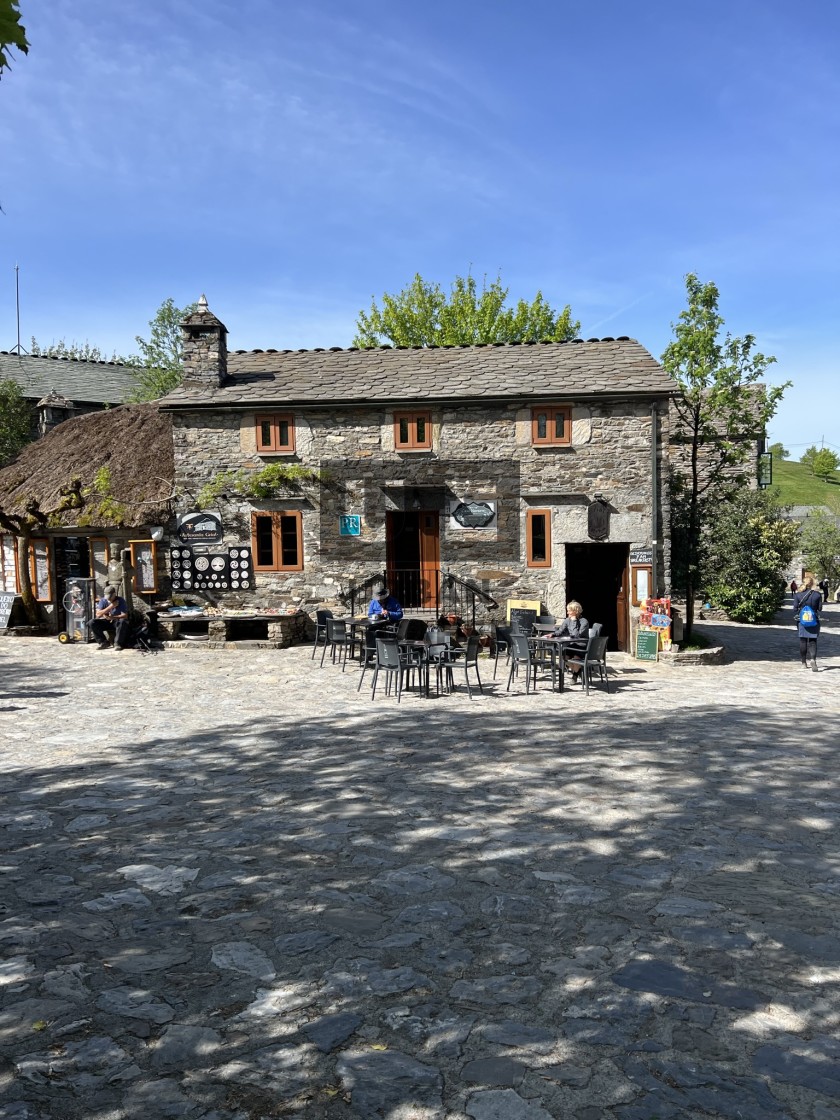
pixel 383 607
pixel 111 621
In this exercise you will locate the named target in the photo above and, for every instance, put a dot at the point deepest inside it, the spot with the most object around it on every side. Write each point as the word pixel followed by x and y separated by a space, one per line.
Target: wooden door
pixel 429 557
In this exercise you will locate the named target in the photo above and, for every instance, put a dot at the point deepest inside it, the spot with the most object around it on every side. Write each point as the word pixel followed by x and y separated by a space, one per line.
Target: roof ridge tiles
pixel 389 346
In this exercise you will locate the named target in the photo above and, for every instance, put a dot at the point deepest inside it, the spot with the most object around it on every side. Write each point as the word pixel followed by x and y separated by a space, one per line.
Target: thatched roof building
pixel 123 457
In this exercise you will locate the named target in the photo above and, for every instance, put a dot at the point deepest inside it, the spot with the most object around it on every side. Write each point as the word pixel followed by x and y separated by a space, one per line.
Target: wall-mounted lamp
pixel 156 532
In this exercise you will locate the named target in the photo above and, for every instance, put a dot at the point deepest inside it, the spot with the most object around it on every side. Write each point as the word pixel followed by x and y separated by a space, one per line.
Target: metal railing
pixel 431 589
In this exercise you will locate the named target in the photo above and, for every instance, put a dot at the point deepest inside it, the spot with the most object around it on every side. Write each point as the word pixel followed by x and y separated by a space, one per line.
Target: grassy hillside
pixel 798 487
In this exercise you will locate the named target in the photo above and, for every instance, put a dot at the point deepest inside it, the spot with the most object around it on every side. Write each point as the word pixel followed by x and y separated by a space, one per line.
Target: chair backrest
pixel 547 619
pixel 595 630
pixel 521 649
pixel 387 654
pixel 473 646
pixel 415 630
pixel 597 649
pixel 437 637
pixel 402 629
pixel 336 629
pixel 322 616
pixel 503 635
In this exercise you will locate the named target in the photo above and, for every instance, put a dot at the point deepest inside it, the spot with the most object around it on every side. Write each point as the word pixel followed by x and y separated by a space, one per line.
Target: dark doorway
pixel 596 575
pixel 413 557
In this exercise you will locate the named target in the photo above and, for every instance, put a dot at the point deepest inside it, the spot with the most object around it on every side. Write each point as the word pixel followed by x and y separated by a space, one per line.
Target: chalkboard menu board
pixel 522 620
pixel 7 599
pixel 647 645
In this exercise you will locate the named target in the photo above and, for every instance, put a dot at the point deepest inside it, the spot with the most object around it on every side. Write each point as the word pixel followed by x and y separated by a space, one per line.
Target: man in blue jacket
pixel 111 621
pixel 383 607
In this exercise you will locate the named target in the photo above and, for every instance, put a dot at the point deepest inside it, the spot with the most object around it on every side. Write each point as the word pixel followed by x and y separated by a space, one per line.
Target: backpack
pixel 807 615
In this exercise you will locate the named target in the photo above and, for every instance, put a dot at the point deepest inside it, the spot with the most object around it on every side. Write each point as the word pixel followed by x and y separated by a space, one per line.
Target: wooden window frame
pixel 636 596
pixel 9 575
pixel 275 446
pixel 135 582
pixel 551 413
pixel 277 564
pixel 33 568
pixel 529 538
pixel 413 443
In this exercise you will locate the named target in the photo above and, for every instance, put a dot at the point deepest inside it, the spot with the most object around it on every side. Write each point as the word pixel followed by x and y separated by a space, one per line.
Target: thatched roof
pixel 134 444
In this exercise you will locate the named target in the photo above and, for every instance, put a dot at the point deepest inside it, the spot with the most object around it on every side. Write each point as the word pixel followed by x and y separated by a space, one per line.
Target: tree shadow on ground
pixel 456 885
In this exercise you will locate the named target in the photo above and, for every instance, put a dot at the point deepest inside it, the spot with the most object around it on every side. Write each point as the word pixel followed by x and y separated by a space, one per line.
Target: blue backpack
pixel 807 615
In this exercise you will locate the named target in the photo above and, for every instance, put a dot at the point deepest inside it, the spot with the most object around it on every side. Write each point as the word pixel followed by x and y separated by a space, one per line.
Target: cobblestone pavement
pixel 235 888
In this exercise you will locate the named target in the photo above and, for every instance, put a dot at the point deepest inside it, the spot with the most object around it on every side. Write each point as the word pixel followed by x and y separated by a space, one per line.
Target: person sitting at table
pixel 383 607
pixel 574 627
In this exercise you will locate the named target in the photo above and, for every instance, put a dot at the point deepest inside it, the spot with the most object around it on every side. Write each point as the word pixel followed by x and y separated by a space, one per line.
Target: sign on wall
pixel 473 514
pixel 211 571
pixel 201 527
pixel 349 525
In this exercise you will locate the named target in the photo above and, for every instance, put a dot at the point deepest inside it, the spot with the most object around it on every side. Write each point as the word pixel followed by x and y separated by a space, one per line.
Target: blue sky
pixel 294 158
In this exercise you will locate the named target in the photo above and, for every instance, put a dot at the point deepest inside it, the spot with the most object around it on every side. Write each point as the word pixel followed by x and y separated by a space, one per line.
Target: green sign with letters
pixel 647 645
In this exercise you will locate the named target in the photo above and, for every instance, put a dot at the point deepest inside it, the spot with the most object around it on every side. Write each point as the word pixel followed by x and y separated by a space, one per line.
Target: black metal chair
pixel 338 641
pixel 593 658
pixel 468 657
pixel 521 654
pixel 320 630
pixel 388 661
pixel 502 644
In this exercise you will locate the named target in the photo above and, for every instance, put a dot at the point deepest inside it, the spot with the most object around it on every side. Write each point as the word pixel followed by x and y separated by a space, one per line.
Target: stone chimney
pixel 204 339
pixel 53 409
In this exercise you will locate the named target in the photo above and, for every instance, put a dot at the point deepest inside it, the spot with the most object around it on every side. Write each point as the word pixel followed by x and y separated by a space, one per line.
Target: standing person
pixel 111 621
pixel 573 626
pixel 793 587
pixel 807 606
pixel 383 607
pixel 824 589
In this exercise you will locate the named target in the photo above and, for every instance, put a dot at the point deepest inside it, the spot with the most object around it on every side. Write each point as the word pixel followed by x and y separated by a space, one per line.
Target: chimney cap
pixel 203 316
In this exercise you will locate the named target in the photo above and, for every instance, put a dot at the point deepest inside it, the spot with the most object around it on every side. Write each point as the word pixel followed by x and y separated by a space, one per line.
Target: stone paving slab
pixel 235 888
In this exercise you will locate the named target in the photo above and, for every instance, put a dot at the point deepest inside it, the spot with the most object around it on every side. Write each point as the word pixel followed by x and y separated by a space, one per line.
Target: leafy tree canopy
pixel 423 314
pixel 15 421
pixel 721 410
pixel 824 463
pixel 821 544
pixel 750 546
pixel 778 451
pixel 12 32
pixel 161 356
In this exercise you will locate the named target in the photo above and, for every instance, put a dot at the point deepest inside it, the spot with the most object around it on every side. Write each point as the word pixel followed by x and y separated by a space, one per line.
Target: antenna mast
pixel 17 348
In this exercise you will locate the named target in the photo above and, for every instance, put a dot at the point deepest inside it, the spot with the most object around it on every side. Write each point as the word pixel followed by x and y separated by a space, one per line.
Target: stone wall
pixel 477 452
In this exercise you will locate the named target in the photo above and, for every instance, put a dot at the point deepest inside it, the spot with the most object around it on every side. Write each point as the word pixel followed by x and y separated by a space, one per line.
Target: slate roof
pixel 597 367
pixel 81 382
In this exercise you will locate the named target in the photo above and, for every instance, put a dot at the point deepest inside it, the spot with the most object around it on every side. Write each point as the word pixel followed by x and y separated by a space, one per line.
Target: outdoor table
pixel 555 647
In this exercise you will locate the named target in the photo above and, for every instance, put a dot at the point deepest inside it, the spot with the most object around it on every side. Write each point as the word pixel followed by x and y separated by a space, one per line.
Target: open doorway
pixel 596 575
pixel 413 557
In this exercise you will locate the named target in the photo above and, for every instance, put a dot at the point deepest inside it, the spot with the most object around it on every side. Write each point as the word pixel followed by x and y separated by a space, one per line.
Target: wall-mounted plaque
pixel 231 570
pixel 473 514
pixel 598 519
pixel 202 527
pixel 350 525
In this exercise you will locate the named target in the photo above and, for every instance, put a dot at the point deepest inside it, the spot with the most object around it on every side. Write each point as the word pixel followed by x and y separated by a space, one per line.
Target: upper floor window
pixel 413 431
pixel 277 541
pixel 551 427
pixel 275 433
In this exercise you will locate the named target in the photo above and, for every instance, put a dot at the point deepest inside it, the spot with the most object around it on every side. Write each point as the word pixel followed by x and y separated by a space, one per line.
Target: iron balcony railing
pixel 431 589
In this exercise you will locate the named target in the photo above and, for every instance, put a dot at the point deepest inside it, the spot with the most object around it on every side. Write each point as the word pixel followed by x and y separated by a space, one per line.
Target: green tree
pixel 808 458
pixel 820 544
pixel 750 546
pixel 12 32
pixel 824 464
pixel 161 356
pixel 422 314
pixel 721 409
pixel 15 421
pixel 778 451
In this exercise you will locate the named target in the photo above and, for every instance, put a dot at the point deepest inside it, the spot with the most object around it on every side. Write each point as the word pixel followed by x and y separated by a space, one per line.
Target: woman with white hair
pixel 573 626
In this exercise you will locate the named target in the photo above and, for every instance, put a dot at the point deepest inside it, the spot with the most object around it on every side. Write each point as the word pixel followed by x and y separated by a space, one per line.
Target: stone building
pixel 524 472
